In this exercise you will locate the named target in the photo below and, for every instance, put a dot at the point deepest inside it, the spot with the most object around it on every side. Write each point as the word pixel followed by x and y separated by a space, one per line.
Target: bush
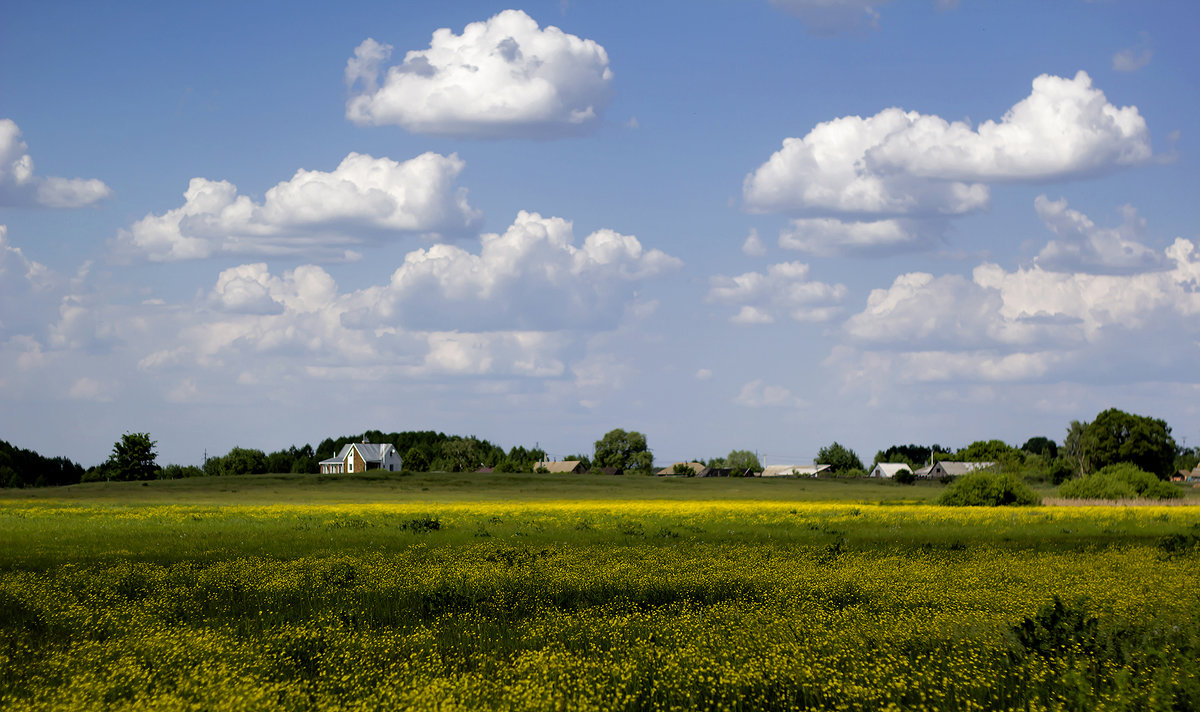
pixel 904 476
pixel 989 489
pixel 1120 481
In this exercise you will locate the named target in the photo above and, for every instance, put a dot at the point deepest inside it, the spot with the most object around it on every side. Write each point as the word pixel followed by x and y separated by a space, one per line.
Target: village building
pixel 794 470
pixel 360 457
pixel 889 469
pixel 573 467
pixel 956 469
pixel 699 469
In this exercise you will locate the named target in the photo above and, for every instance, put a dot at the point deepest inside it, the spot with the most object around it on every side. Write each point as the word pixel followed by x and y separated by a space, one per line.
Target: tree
pixel 623 450
pixel 133 458
pixel 988 451
pixel 244 461
pixel 1116 436
pixel 742 460
pixel 1043 446
pixel 587 462
pixel 839 458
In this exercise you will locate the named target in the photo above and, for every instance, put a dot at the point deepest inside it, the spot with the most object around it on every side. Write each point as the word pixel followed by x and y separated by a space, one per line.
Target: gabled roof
pixel 560 465
pixel 793 470
pixel 889 469
pixel 372 451
pixel 697 468
pixel 962 468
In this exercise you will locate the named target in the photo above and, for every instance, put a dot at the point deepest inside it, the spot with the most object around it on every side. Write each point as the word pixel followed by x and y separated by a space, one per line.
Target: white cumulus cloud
pixel 19 186
pixel 899 163
pixel 784 290
pixel 315 213
pixel 502 77
pixel 830 237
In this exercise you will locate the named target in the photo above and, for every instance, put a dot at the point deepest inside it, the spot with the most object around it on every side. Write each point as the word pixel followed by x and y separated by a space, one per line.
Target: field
pixel 577 592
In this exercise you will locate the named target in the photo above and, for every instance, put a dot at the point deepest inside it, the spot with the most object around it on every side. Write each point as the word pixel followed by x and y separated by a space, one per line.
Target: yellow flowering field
pixel 611 605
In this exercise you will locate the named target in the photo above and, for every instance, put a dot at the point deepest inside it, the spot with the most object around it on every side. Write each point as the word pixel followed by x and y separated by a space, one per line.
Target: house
pixel 699 469
pixel 794 470
pixel 889 469
pixel 360 457
pixel 573 467
pixel 956 469
pixel 923 472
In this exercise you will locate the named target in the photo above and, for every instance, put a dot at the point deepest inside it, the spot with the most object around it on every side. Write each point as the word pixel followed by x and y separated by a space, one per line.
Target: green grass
pixel 437 591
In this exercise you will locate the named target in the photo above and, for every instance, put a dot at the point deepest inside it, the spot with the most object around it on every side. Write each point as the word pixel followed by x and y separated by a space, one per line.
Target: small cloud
pixel 1133 58
pixel 704 374
pixel 754 246
pixel 757 394
pixel 632 123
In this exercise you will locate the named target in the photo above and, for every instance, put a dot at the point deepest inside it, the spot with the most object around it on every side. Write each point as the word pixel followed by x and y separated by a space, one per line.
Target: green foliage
pixel 623 450
pixel 587 462
pixel 839 458
pixel 416 459
pixel 21 468
pixel 742 460
pixel 913 455
pixel 988 451
pixel 1058 630
pixel 904 476
pixel 683 468
pixel 1043 446
pixel 989 489
pixel 244 461
pixel 1116 436
pixel 1187 459
pixel 178 472
pixel 1120 481
pixel 133 458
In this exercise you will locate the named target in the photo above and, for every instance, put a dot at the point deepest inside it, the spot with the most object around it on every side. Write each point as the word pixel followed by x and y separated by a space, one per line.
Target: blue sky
pixel 762 225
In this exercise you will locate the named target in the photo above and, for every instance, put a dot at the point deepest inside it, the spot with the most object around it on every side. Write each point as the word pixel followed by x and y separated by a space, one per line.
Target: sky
pixel 735 224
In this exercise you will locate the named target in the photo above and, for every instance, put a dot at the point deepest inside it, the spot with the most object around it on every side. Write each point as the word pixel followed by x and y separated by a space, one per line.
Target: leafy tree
pixel 911 454
pixel 623 450
pixel 1186 459
pixel 133 458
pixel 1043 446
pixel 988 451
pixel 741 460
pixel 839 457
pixel 1077 447
pixel 904 476
pixel 244 461
pixel 1116 436
pixel 416 459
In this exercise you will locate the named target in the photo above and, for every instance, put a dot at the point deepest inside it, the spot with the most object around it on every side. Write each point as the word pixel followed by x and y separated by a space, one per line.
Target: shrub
pixel 989 489
pixel 682 468
pixel 1120 481
pixel 905 476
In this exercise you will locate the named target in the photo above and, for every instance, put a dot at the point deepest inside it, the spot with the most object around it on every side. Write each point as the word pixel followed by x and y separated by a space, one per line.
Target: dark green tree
pixel 1116 436
pixel 1043 446
pixel 244 461
pixel 839 457
pixel 623 450
pixel 416 459
pixel 133 458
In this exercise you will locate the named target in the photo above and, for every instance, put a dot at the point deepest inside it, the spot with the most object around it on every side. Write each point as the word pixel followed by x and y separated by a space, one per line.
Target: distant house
pixel 923 472
pixel 794 470
pixel 956 469
pixel 360 457
pixel 888 469
pixel 573 467
pixel 699 469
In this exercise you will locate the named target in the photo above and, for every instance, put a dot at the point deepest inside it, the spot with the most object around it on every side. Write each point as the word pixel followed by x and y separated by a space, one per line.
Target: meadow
pixel 578 592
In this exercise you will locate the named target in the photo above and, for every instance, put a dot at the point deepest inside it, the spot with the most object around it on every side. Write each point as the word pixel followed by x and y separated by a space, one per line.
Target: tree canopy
pixel 623 450
pixel 839 458
pixel 133 458
pixel 1116 436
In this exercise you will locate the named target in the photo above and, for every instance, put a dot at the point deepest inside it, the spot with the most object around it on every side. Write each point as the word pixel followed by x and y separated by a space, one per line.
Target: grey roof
pixel 369 451
pixel 962 468
pixel 793 470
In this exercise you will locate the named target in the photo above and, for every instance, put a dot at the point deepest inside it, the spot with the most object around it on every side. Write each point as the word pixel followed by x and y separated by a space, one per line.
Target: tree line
pixel 1113 437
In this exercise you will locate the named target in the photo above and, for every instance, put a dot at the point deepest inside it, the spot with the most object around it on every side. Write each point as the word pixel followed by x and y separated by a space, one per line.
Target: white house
pixel 794 470
pixel 360 457
pixel 889 469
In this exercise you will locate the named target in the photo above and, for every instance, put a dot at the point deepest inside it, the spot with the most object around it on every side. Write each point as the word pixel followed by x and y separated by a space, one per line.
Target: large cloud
pixel 20 187
pixel 1024 324
pixel 532 276
pixel 785 290
pixel 315 214
pixel 500 78
pixel 899 163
